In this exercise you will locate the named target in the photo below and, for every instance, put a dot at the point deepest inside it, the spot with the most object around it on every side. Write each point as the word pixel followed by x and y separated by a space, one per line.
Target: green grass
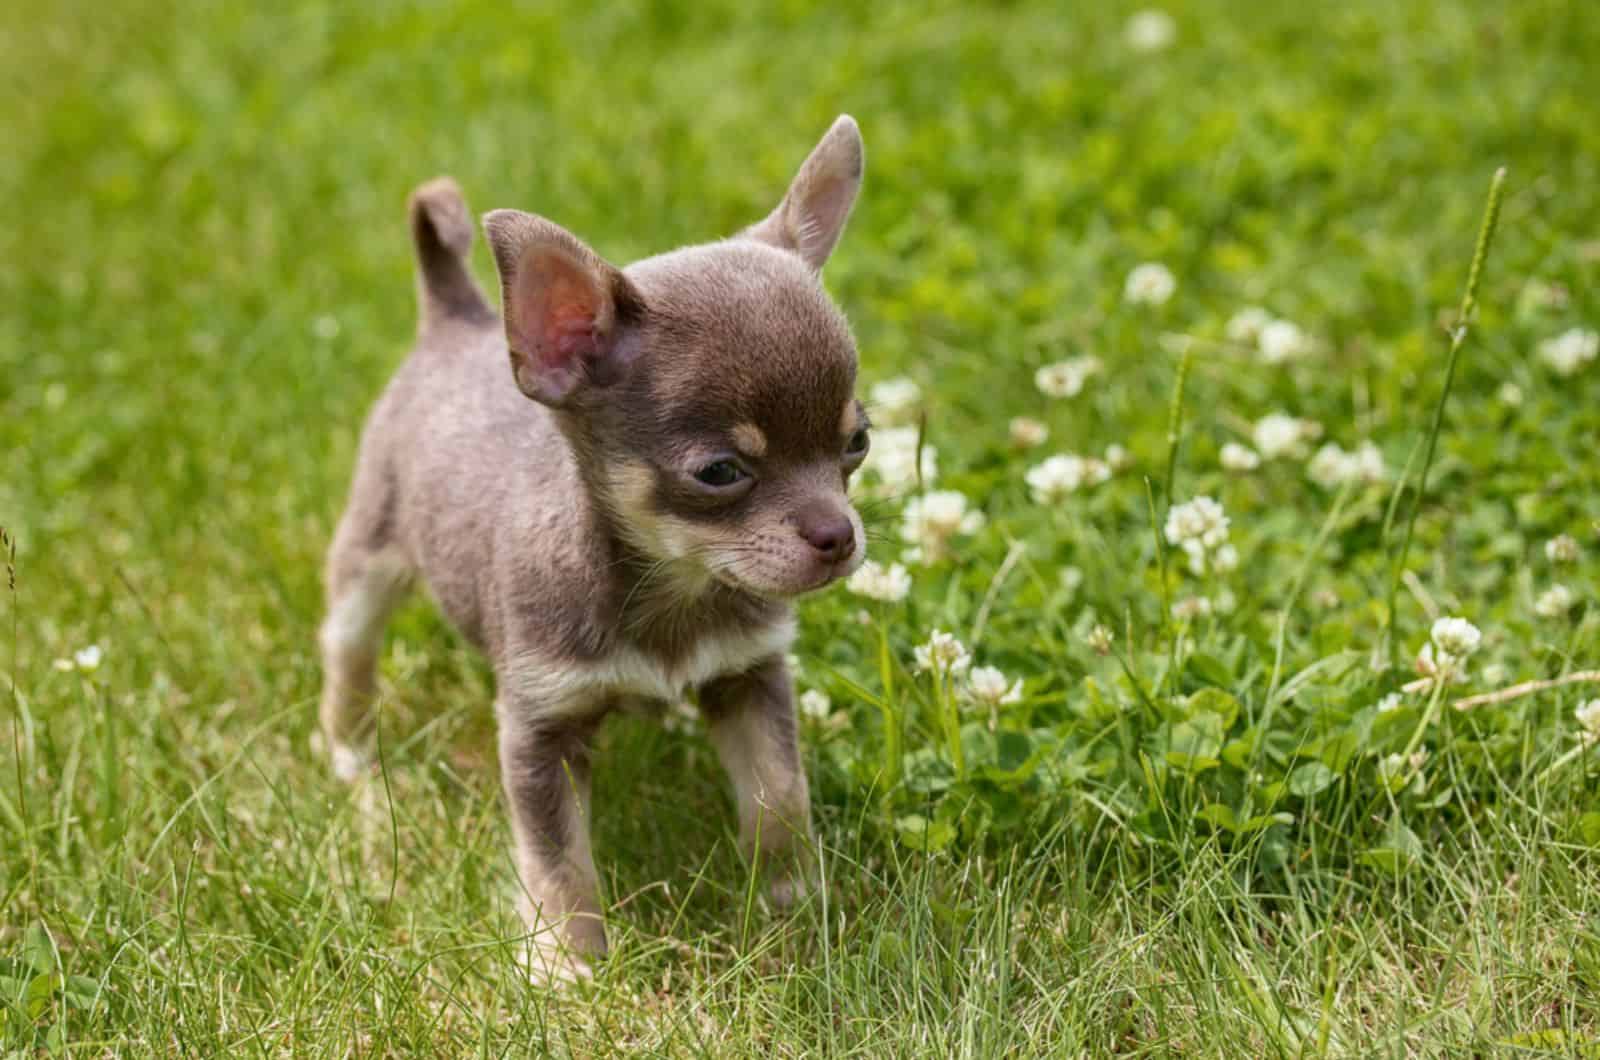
pixel 206 280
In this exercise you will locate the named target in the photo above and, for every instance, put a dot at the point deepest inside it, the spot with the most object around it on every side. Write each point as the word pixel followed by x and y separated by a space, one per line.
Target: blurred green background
pixel 205 277
pixel 206 272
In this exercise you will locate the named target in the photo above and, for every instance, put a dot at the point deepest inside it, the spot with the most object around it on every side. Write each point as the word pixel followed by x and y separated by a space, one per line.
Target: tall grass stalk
pixel 8 545
pixel 1458 337
pixel 1175 422
pixel 1174 435
pixel 945 694
pixel 891 716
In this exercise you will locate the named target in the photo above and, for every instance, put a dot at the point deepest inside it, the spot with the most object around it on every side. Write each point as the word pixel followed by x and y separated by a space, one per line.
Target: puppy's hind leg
pixel 367 577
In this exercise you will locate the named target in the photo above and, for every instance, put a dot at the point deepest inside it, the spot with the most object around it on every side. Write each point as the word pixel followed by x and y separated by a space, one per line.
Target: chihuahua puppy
pixel 622 517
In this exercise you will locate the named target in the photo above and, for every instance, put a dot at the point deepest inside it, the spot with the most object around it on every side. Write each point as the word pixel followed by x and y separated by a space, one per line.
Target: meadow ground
pixel 1213 820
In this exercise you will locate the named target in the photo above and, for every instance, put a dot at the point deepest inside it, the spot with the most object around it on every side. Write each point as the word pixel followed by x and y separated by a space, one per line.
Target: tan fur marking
pixel 751 440
pixel 631 484
pixel 659 534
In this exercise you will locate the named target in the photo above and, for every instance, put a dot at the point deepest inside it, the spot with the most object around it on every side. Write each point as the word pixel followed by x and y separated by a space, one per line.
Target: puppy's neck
pixel 665 608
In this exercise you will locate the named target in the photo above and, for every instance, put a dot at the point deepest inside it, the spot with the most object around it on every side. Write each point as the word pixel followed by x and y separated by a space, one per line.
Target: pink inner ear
pixel 559 319
pixel 571 313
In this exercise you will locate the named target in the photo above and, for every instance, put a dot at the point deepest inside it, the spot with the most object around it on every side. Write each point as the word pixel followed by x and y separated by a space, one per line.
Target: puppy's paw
pixel 551 966
pixel 787 891
pixel 350 763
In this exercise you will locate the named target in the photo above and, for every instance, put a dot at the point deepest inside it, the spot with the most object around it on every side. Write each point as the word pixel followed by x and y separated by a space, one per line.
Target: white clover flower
pixel 1027 433
pixel 1149 284
pixel 1238 458
pixel 1282 340
pixel 1224 559
pixel 1191 607
pixel 817 708
pixel 895 401
pixel 986 684
pixel 1494 674
pixel 1279 434
pixel 1065 379
pixel 84 660
pixel 1118 458
pixel 1570 350
pixel 1329 467
pixel 930 520
pixel 1226 603
pixel 1245 326
pixel 1554 602
pixel 1332 467
pixel 815 704
pixel 1563 548
pixel 1457 636
pixel 1201 519
pixel 873 580
pixel 942 653
pixel 1390 702
pixel 893 459
pixel 1510 394
pixel 1100 639
pixel 1150 30
pixel 1588 715
pixel 1444 657
pixel 1367 464
pixel 1063 474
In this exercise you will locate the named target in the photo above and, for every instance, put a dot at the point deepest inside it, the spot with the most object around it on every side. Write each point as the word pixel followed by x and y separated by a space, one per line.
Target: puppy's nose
pixel 831 534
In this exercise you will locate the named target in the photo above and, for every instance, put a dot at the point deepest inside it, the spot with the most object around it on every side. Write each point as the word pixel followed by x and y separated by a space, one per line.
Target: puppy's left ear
pixel 812 215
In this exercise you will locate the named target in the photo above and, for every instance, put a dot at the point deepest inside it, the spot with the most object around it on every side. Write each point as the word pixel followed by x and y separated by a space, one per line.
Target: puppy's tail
pixel 441 227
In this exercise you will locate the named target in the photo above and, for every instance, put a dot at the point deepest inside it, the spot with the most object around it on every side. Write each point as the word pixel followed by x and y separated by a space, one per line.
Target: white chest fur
pixel 545 685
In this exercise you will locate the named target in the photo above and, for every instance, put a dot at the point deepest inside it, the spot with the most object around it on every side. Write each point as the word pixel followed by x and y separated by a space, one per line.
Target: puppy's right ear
pixel 570 317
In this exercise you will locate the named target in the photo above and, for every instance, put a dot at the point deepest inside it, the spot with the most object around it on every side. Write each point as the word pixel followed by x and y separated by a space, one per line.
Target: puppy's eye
pixel 720 473
pixel 857 444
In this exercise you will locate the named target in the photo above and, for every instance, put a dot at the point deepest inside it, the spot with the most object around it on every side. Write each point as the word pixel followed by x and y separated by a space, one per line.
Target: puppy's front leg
pixel 544 766
pixel 752 725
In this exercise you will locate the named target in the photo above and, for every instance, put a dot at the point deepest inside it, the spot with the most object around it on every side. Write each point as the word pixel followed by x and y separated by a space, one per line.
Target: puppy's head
pixel 709 392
